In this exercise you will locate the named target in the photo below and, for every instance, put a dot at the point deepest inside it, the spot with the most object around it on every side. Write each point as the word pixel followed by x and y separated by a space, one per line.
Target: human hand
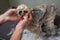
pixel 17 35
pixel 24 21
pixel 10 15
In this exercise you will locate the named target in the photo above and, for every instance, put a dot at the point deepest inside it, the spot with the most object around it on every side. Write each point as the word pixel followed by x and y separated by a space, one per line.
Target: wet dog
pixel 44 14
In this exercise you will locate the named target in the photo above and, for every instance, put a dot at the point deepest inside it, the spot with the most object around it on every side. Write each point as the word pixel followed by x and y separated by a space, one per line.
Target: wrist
pixel 2 19
pixel 19 30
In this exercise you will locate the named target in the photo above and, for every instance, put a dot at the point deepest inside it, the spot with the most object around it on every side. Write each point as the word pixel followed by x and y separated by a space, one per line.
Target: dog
pixel 44 14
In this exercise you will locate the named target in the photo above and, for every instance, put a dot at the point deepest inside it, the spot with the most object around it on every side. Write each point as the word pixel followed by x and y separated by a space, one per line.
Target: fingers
pixel 11 11
pixel 13 18
pixel 28 17
pixel 10 15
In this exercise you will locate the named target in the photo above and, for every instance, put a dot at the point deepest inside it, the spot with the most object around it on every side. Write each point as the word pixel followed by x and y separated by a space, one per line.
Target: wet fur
pixel 46 18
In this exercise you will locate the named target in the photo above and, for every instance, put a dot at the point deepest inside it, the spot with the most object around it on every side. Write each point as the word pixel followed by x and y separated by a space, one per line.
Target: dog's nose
pixel 20 12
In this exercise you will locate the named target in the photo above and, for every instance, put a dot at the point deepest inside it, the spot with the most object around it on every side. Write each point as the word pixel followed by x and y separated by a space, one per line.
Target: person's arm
pixel 17 35
pixel 10 15
pixel 2 19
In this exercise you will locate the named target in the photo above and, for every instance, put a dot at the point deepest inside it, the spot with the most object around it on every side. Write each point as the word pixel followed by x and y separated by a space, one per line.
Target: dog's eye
pixel 20 12
pixel 25 11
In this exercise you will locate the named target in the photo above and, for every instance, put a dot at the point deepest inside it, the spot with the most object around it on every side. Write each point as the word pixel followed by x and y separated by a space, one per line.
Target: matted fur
pixel 44 14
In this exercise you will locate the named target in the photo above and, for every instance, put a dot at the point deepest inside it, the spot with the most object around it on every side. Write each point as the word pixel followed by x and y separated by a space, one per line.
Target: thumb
pixel 26 17
pixel 12 18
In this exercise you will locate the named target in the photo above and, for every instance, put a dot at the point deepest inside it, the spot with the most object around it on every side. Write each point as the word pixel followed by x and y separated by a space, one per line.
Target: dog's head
pixel 37 14
pixel 22 10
